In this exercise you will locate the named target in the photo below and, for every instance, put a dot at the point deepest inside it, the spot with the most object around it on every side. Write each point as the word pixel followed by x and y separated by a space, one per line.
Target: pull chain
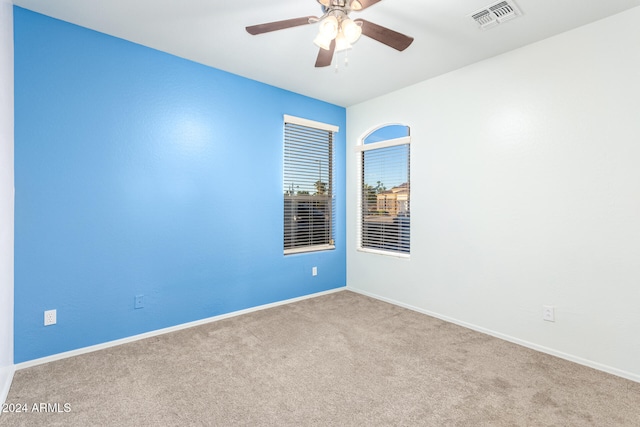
pixel 336 59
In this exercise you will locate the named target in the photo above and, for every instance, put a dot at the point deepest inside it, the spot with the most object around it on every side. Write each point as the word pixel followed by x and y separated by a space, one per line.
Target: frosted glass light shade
pixel 329 27
pixel 322 41
pixel 351 30
pixel 342 43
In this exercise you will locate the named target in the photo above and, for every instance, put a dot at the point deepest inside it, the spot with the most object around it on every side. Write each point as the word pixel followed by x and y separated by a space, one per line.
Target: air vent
pixel 495 13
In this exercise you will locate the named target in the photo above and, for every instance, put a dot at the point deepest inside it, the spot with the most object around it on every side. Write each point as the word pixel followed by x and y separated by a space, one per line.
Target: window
pixel 308 185
pixel 385 214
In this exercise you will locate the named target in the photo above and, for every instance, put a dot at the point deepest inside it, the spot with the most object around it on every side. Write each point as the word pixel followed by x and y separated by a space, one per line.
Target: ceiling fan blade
pixel 384 35
pixel 279 25
pixel 326 56
pixel 362 4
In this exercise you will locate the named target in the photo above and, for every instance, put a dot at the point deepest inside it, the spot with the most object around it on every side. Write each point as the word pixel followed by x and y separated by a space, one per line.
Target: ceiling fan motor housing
pixel 333 3
pixel 343 5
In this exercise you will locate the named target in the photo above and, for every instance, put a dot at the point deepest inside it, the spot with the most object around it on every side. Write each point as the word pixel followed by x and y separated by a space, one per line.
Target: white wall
pixel 6 197
pixel 525 191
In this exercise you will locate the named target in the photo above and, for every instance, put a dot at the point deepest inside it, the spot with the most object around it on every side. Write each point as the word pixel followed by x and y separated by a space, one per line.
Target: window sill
pixel 309 249
pixel 386 253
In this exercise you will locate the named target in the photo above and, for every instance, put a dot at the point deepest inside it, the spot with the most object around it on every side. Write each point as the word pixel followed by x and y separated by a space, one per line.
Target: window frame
pixel 331 130
pixel 360 149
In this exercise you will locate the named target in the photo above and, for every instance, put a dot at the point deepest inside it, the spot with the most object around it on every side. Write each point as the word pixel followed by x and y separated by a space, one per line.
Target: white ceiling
pixel 212 32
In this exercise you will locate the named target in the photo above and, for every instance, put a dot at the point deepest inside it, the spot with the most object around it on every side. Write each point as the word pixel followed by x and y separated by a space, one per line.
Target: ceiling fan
pixel 336 30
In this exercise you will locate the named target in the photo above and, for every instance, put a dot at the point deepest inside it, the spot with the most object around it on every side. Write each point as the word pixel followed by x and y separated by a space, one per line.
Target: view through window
pixel 308 185
pixel 385 214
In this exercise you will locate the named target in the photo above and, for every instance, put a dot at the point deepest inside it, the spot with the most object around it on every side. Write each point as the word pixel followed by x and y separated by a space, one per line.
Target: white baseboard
pixel 576 359
pixel 157 332
pixel 6 377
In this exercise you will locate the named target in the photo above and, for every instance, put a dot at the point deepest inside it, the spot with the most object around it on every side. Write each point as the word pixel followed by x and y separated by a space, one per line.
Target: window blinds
pixel 385 205
pixel 308 185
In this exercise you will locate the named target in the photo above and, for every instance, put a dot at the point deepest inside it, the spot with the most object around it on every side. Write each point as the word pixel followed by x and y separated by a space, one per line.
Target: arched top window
pixel 385 214
pixel 386 133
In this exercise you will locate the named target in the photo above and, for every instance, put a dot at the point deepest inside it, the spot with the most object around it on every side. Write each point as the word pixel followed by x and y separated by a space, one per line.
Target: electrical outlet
pixel 314 271
pixel 50 317
pixel 548 313
pixel 138 301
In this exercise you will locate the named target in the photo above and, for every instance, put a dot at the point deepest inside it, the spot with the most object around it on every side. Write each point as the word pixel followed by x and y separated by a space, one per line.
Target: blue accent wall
pixel 138 172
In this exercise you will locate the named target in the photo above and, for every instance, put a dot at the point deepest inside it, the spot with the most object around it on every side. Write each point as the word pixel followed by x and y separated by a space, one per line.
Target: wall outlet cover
pixel 50 317
pixel 548 313
pixel 138 301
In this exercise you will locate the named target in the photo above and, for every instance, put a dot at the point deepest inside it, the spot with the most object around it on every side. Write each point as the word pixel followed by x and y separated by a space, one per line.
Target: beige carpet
pixel 341 359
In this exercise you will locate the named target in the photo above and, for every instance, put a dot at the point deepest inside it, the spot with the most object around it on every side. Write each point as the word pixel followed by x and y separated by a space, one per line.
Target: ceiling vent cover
pixel 496 13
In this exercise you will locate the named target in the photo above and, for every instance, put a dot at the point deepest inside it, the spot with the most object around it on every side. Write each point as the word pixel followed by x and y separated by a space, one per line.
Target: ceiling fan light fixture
pixel 342 43
pixel 351 30
pixel 322 41
pixel 329 27
pixel 356 5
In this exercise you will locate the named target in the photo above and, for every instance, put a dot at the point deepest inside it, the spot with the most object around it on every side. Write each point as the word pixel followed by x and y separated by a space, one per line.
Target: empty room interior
pixel 327 212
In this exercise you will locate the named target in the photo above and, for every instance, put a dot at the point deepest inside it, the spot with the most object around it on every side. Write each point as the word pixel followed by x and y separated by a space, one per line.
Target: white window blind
pixel 385 222
pixel 308 185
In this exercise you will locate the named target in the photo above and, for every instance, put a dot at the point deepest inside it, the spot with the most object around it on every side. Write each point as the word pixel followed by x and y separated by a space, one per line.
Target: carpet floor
pixel 341 359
